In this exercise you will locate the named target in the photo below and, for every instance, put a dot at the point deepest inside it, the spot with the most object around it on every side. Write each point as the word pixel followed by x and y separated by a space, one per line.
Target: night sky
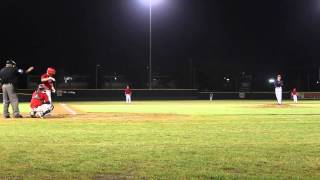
pixel 217 38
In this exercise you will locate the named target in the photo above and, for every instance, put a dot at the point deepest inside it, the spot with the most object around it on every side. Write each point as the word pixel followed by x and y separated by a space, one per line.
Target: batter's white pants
pixel 278 91
pixel 43 109
pixel 128 98
pixel 295 98
pixel 48 92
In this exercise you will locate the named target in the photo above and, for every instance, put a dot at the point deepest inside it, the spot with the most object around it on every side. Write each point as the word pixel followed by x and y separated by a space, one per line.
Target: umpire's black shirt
pixel 9 75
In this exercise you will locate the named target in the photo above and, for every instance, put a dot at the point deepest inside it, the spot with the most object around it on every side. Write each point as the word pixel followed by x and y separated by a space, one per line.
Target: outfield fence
pixel 255 95
pixel 158 94
pixel 116 94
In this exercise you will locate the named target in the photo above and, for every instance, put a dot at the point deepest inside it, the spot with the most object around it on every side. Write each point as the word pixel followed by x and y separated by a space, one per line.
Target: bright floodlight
pixel 152 2
pixel 271 80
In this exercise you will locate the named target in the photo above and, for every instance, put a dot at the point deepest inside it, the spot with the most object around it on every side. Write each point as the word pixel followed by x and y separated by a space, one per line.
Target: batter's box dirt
pixel 65 112
pixel 59 112
pixel 62 112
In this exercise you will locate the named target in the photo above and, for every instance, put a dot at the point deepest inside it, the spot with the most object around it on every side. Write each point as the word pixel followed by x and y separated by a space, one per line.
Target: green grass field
pixel 165 140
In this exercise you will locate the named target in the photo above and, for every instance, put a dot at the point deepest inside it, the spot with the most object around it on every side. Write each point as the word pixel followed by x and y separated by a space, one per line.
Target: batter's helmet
pixel 51 71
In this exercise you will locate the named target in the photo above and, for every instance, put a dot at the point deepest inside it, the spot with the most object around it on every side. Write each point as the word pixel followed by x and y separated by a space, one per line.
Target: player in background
pixel 128 93
pixel 294 95
pixel 278 84
pixel 40 104
pixel 48 80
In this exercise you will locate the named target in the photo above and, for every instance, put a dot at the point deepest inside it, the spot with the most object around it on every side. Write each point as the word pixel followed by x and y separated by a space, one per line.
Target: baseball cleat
pixel 33 114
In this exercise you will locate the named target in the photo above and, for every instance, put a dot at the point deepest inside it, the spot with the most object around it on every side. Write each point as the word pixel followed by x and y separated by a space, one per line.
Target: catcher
pixel 40 104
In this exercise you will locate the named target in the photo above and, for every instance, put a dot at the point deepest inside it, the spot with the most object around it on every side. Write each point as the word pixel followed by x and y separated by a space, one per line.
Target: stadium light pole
pixel 150 4
pixel 150 45
pixel 97 71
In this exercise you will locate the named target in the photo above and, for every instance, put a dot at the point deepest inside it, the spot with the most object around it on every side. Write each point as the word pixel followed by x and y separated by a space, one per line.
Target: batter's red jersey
pixel 38 98
pixel 49 83
pixel 127 91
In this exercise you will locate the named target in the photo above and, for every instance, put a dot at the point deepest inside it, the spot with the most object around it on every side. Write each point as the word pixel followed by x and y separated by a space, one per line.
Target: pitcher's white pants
pixel 128 98
pixel 278 91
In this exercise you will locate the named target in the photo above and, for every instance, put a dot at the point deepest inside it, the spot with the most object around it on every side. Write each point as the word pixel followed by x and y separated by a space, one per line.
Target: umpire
pixel 9 79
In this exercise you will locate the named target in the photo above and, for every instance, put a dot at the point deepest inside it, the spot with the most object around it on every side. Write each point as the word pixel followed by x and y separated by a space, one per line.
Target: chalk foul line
pixel 67 108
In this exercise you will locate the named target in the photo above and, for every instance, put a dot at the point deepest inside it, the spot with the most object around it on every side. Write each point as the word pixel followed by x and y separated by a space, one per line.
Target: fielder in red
pixel 294 95
pixel 48 80
pixel 40 104
pixel 128 93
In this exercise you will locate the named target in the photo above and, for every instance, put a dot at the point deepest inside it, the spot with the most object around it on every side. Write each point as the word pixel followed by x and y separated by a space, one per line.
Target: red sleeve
pixel 44 76
pixel 47 83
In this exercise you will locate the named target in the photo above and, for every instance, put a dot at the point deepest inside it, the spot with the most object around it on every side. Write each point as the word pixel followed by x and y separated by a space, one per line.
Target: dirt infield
pixel 60 111
pixel 65 112
pixel 276 106
pixel 118 117
pixel 136 117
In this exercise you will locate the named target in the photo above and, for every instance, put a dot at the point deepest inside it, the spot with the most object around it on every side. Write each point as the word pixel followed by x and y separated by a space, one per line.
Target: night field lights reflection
pixel 271 80
pixel 151 2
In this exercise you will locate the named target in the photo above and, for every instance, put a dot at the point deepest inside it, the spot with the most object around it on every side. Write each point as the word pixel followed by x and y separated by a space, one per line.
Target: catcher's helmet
pixel 41 86
pixel 51 71
pixel 11 62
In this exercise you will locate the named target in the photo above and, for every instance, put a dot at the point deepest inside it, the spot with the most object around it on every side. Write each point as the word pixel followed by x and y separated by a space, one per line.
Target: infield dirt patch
pixel 119 117
pixel 137 117
pixel 61 112
pixel 275 106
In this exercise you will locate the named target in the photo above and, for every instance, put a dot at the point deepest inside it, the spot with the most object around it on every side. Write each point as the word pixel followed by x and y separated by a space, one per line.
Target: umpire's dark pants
pixel 10 97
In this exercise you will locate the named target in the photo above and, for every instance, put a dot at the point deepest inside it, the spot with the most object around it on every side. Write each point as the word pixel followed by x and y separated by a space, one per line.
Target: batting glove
pixel 52 79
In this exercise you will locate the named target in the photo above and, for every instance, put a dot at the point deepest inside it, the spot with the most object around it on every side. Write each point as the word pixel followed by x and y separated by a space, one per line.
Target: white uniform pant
pixel 295 98
pixel 43 109
pixel 48 92
pixel 211 96
pixel 278 91
pixel 128 98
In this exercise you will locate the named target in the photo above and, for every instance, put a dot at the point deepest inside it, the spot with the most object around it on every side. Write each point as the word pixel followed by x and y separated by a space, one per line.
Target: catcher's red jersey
pixel 38 98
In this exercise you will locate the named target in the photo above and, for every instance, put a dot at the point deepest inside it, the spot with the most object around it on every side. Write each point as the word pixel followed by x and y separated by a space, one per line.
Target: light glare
pixel 153 2
pixel 271 80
